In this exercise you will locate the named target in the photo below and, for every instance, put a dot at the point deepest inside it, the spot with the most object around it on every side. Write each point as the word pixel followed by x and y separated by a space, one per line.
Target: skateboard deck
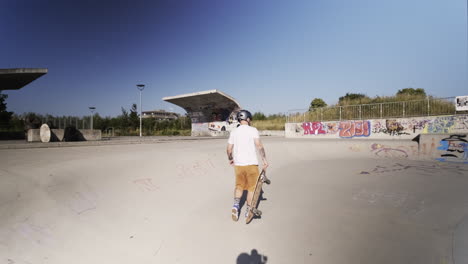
pixel 253 211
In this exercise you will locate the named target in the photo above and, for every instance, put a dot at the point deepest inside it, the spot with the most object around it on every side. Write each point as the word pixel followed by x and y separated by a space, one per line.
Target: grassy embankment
pixel 379 107
pixel 276 123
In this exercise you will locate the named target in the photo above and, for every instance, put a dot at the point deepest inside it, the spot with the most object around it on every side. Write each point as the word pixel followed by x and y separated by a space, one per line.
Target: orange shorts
pixel 246 177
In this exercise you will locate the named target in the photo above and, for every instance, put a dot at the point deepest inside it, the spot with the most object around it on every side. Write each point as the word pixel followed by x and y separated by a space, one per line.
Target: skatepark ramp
pixel 330 201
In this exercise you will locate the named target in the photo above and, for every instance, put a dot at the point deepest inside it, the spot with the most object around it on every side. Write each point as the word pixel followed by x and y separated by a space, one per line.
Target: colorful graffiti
pixel 461 123
pixel 350 129
pixel 332 128
pixel 414 124
pixel 395 128
pixel 404 127
pixel 319 128
pixel 378 127
pixel 313 128
pixel 455 149
pixel 442 124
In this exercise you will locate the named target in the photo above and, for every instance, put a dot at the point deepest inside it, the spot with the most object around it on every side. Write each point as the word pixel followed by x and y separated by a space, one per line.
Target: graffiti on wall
pixel 350 129
pixel 441 124
pixel 318 128
pixel 345 129
pixel 416 124
pixel 454 148
pixel 395 128
pixel 378 127
pixel 388 152
pixel 333 128
pixel 390 127
pixel 313 128
pixel 461 123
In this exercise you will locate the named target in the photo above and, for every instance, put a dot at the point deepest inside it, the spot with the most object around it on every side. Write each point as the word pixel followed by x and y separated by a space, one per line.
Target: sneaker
pixel 235 212
pixel 247 210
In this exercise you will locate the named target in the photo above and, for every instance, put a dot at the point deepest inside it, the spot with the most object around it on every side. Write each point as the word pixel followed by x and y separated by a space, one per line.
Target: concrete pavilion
pixel 211 111
pixel 17 78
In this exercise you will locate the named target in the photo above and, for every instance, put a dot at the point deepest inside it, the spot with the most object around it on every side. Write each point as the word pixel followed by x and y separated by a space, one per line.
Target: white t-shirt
pixel 243 139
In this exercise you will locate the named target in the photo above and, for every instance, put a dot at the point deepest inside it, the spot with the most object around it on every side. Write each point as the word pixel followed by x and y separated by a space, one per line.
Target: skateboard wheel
pixel 256 212
pixel 267 181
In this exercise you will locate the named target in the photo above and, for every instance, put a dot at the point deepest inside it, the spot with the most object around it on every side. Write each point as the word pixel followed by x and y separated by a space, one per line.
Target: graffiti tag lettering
pixel 350 129
pixel 313 128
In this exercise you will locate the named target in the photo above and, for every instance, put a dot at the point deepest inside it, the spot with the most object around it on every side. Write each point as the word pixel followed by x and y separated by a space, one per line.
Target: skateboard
pixel 256 196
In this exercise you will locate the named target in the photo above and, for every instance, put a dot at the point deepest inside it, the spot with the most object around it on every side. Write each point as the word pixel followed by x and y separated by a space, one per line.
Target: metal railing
pixel 63 122
pixel 56 122
pixel 425 107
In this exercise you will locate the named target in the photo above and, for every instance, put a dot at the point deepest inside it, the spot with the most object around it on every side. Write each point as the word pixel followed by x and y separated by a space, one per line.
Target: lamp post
pixel 140 87
pixel 92 108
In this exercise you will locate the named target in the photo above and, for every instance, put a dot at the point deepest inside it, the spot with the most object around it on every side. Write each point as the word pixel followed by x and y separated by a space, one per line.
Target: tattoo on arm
pixel 262 152
pixel 229 153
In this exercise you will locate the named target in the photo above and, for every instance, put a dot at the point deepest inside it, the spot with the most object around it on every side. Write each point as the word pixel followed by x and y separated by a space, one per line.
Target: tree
pixel 317 103
pixel 259 116
pixel 134 119
pixel 5 116
pixel 353 98
pixel 411 92
pixel 124 120
pixel 32 121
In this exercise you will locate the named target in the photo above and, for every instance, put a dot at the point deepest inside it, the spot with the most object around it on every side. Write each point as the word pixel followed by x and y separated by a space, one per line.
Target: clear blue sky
pixel 271 56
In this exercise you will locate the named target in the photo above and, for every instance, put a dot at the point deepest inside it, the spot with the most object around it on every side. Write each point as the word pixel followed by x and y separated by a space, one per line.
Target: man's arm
pixel 229 153
pixel 261 150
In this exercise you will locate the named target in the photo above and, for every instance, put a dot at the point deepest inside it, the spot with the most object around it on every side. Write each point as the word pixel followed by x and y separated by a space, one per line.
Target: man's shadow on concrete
pixel 253 258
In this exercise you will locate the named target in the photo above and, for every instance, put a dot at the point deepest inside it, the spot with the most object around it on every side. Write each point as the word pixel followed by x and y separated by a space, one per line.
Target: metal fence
pixel 58 122
pixel 425 107
pixel 63 122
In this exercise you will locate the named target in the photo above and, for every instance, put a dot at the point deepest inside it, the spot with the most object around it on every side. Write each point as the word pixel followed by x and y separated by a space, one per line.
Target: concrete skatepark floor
pixel 169 202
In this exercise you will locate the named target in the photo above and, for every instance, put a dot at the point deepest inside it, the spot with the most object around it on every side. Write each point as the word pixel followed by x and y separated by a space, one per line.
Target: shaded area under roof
pixel 206 106
pixel 14 79
pixel 205 100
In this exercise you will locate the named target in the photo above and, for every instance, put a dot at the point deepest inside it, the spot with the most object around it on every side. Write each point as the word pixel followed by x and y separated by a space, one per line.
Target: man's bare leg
pixel 249 198
pixel 237 193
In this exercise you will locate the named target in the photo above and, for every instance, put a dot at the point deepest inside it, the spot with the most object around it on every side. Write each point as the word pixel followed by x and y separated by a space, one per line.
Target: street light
pixel 140 87
pixel 92 108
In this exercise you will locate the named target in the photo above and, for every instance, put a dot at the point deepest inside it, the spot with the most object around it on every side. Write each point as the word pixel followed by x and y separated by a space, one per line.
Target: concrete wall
pixel 443 147
pixel 58 134
pixel 278 133
pixel 212 129
pixel 33 135
pixel 391 128
pixel 90 135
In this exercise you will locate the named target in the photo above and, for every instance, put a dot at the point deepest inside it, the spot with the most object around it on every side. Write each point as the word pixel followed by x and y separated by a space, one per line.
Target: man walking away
pixel 241 150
